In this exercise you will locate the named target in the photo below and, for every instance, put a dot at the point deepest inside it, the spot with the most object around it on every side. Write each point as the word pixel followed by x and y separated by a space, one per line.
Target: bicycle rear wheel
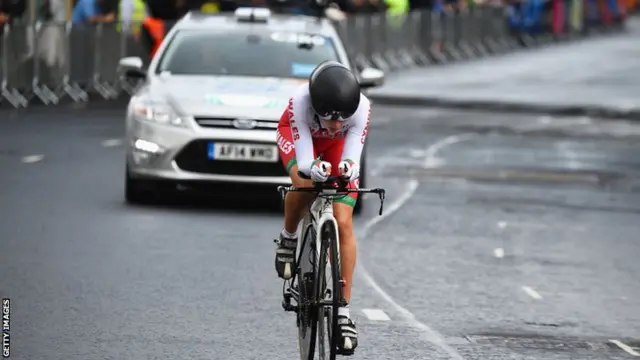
pixel 307 316
pixel 328 316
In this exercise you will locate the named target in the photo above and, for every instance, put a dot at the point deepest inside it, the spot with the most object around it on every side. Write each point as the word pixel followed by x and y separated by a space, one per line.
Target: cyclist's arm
pixel 356 136
pixel 301 134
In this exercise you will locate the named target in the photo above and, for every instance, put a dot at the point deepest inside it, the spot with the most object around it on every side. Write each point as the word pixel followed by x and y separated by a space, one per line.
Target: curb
pixel 93 105
pixel 597 111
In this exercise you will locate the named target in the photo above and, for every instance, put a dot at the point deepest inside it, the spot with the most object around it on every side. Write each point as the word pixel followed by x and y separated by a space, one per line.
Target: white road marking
pixel 534 294
pixel 503 225
pixel 549 122
pixel 545 119
pixel 585 120
pixel 431 153
pixel 395 157
pixel 112 142
pixel 429 334
pixel 628 349
pixel 32 159
pixel 376 315
pixel 499 252
pixel 417 153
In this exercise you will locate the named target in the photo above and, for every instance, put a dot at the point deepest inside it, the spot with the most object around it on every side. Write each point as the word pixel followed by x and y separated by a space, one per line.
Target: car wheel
pixel 137 191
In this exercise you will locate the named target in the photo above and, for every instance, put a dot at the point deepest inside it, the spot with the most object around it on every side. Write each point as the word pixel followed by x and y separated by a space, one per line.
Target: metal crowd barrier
pixel 419 38
pixel 49 63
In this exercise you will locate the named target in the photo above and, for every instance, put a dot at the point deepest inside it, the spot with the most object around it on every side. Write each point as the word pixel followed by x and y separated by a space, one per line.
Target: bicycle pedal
pixel 288 307
pixel 343 352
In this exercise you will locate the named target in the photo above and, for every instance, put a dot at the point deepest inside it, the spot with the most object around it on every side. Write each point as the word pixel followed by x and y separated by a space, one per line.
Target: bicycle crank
pixel 286 302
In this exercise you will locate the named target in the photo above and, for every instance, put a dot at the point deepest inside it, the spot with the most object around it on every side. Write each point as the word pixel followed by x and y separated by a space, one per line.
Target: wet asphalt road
pixel 600 72
pixel 507 237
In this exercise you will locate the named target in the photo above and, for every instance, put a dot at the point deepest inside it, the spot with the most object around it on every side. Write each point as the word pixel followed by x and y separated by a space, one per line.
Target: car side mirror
pixel 132 67
pixel 371 77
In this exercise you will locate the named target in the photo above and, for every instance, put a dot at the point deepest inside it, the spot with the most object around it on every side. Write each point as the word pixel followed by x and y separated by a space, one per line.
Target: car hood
pixel 225 96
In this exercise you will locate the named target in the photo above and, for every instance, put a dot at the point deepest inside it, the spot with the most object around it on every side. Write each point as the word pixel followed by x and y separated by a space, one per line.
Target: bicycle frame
pixel 320 211
pixel 323 206
pixel 310 294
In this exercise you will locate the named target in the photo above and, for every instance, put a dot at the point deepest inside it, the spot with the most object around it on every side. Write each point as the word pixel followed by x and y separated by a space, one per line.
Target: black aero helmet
pixel 334 91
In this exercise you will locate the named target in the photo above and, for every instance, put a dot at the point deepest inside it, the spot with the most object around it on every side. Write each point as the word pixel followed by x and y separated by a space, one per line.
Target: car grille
pixel 227 123
pixel 193 157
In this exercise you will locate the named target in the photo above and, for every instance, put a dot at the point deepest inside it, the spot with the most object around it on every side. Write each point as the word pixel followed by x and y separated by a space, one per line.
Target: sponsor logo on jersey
pixel 292 121
pixel 285 145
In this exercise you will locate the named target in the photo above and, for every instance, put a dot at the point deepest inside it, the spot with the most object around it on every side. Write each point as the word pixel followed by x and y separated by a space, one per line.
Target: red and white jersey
pixel 306 126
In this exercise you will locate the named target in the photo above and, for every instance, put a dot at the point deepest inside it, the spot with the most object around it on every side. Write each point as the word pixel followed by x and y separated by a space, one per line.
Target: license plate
pixel 242 152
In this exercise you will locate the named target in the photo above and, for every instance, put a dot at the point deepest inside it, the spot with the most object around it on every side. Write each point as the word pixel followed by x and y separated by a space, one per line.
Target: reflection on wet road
pixel 505 237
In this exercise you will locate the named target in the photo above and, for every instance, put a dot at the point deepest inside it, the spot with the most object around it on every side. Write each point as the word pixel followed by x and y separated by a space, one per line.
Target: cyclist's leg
pixel 295 203
pixel 343 212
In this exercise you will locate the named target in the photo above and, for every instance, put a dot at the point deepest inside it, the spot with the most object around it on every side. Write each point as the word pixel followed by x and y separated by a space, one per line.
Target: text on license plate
pixel 242 152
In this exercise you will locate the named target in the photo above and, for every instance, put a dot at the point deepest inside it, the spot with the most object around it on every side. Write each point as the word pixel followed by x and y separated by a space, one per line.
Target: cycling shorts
pixel 329 149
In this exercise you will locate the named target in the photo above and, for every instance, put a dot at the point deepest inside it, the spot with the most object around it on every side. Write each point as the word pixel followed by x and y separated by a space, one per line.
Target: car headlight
pixel 157 112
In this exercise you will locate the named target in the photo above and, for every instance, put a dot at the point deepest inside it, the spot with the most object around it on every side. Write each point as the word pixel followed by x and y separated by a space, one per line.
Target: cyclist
pixel 328 117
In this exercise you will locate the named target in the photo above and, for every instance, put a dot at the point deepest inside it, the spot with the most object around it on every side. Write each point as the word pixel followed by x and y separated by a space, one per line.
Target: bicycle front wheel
pixel 307 317
pixel 328 315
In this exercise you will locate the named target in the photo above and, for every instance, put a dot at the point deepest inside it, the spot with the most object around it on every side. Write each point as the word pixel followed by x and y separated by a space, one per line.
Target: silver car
pixel 208 105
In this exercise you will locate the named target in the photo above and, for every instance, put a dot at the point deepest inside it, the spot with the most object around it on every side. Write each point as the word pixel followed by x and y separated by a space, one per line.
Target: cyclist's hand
pixel 348 169
pixel 320 171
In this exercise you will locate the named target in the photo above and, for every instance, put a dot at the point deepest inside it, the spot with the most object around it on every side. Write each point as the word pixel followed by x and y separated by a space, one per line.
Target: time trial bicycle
pixel 314 292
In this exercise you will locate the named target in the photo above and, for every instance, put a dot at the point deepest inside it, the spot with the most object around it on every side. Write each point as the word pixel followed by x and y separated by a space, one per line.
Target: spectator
pixel 91 12
pixel 51 36
pixel 397 7
pixel 420 5
pixel 167 10
pixel 47 47
pixel 11 10
pixel 131 14
pixel 161 15
pixel 368 6
pixel 109 6
pixel 215 6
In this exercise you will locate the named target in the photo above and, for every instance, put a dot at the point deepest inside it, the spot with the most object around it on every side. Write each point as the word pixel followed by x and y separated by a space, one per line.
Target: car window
pixel 271 54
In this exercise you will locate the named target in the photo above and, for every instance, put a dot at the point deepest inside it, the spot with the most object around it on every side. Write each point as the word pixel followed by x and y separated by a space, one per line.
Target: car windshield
pixel 269 54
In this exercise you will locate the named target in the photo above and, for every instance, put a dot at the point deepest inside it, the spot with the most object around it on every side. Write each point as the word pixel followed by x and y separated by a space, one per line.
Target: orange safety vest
pixel 156 30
